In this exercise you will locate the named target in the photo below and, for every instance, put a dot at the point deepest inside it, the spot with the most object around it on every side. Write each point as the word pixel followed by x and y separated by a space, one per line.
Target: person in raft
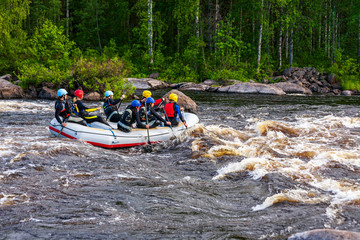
pixel 63 110
pixel 110 108
pixel 130 116
pixel 158 102
pixel 172 111
pixel 82 111
pixel 150 116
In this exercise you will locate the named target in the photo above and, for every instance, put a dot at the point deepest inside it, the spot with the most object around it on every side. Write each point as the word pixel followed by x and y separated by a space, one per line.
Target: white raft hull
pixel 101 135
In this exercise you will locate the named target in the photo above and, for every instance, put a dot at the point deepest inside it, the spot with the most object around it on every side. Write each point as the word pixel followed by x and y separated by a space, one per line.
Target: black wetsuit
pixel 153 118
pixel 111 111
pixel 130 116
pixel 63 109
pixel 82 111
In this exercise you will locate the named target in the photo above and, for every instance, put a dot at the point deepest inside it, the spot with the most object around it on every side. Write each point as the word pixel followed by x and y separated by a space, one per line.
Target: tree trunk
pixel 150 31
pixel 358 38
pixel 240 29
pixel 216 22
pixel 287 44
pixel 280 38
pixel 260 37
pixel 333 37
pixel 97 26
pixel 291 47
pixel 67 18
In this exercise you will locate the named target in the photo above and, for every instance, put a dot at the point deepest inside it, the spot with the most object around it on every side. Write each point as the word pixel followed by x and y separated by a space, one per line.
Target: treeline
pixel 94 42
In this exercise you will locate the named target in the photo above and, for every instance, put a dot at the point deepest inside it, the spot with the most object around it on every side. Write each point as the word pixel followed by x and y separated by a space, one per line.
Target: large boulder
pixel 92 96
pixel 184 101
pixel 325 234
pixel 288 87
pixel 147 83
pixel 9 90
pixel 194 87
pixel 254 88
pixel 47 93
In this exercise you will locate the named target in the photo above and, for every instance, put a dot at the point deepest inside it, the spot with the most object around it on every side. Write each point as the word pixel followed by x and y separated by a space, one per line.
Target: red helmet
pixel 79 93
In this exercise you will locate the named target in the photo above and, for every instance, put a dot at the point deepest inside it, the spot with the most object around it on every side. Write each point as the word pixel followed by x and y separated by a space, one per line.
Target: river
pixel 256 167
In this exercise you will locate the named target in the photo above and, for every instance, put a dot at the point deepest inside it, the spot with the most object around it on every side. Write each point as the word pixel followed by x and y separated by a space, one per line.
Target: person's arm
pixel 138 122
pixel 81 106
pixel 180 115
pixel 57 113
pixel 153 112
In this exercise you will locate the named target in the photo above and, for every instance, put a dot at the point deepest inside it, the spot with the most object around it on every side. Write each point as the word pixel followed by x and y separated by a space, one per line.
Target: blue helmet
pixel 108 93
pixel 150 100
pixel 61 92
pixel 136 103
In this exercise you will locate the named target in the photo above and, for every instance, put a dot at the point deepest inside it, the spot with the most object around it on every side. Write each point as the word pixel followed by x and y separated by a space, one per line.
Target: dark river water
pixel 256 167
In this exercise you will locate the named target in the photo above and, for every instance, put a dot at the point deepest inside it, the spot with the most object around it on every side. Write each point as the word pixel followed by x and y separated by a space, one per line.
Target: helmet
pixel 146 93
pixel 61 92
pixel 173 97
pixel 108 93
pixel 150 100
pixel 79 93
pixel 136 103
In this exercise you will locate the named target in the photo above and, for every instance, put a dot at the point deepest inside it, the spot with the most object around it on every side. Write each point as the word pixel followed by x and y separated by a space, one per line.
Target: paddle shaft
pixel 63 126
pixel 147 129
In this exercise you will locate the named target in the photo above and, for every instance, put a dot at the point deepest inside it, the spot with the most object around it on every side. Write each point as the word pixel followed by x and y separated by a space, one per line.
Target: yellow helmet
pixel 146 93
pixel 173 97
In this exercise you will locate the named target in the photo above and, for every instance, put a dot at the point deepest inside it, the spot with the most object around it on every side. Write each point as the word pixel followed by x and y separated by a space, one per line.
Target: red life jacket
pixel 169 110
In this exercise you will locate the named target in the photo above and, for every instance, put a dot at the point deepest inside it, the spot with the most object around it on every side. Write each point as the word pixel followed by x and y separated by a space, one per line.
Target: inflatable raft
pixel 101 135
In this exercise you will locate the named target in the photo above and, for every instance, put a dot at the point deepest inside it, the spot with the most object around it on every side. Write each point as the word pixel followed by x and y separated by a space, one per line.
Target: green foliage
pixel 49 46
pixel 36 74
pixel 12 36
pixel 348 72
pixel 100 75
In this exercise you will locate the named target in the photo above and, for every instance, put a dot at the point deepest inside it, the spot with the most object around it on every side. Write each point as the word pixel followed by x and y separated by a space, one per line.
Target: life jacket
pixel 65 111
pixel 108 108
pixel 143 113
pixel 169 109
pixel 125 122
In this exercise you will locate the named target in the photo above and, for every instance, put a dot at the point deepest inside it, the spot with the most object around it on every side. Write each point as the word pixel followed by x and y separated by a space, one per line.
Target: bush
pixel 36 74
pixel 101 75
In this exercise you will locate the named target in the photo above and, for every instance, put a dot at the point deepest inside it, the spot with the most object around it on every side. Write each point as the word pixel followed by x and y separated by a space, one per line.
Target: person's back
pixel 109 106
pixel 63 110
pixel 130 116
pixel 82 111
pixel 172 111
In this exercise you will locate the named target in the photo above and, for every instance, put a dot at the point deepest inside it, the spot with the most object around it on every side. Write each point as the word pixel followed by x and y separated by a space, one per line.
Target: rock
pixel 252 88
pixel 177 85
pixel 210 82
pixel 157 84
pixel 147 83
pixel 288 87
pixel 9 90
pixel 299 74
pixel 230 82
pixel 140 84
pixel 346 93
pixel 279 79
pixel 47 93
pixel 184 101
pixel 336 91
pixel 93 96
pixel 154 75
pixel 325 234
pixel 194 87
pixel 7 77
pixel 32 92
pixel 332 78
pixel 288 71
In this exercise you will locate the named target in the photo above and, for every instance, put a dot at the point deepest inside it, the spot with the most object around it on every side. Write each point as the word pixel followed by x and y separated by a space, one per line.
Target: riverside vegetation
pixel 97 44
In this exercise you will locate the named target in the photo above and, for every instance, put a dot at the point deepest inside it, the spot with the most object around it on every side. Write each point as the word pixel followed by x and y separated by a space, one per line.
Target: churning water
pixel 257 167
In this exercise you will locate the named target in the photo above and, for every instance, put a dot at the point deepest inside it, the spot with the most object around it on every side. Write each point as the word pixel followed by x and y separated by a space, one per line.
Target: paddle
pixel 63 126
pixel 169 121
pixel 147 123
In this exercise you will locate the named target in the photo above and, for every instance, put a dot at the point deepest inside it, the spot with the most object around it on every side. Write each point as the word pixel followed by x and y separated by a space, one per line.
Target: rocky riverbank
pixel 292 80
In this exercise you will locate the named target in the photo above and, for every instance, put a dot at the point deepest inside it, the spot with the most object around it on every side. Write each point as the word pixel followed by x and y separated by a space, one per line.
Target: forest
pixel 95 44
